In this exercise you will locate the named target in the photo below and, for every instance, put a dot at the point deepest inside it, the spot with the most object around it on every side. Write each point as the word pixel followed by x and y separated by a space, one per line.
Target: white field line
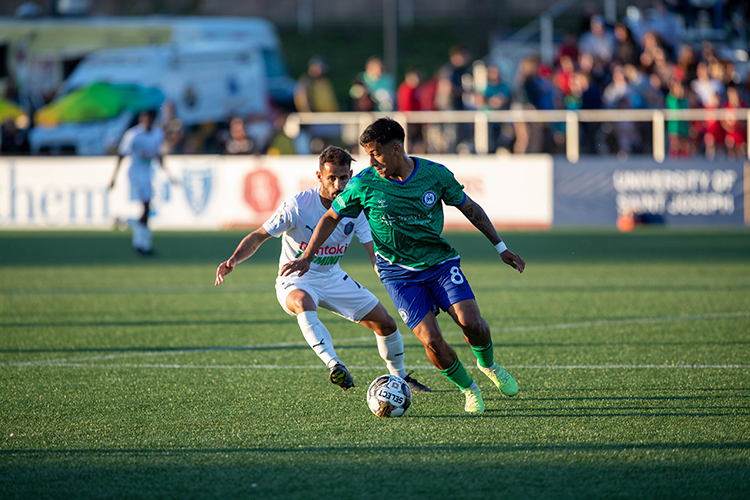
pixel 559 326
pixel 417 367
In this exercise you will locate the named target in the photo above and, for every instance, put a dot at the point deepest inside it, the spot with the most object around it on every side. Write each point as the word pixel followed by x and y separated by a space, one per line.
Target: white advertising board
pixel 48 192
pixel 513 192
pixel 219 192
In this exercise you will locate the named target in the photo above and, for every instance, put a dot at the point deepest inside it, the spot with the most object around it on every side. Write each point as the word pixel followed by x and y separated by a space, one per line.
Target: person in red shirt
pixel 564 74
pixel 713 133
pixel 735 134
pixel 407 96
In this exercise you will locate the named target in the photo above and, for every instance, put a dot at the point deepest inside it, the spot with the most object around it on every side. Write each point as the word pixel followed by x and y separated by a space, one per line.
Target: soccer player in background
pixel 402 198
pixel 142 143
pixel 326 284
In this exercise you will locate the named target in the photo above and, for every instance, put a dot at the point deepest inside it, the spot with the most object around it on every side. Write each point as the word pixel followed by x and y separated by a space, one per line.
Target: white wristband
pixel 500 247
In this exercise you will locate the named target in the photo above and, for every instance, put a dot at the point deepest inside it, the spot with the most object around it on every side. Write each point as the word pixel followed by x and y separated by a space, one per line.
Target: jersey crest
pixel 429 198
pixel 404 314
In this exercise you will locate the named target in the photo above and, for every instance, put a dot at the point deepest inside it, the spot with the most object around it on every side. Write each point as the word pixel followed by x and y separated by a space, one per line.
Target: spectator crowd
pixel 641 62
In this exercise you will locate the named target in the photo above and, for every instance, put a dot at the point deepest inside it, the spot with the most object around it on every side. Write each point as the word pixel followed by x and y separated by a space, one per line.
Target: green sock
pixel 485 355
pixel 457 374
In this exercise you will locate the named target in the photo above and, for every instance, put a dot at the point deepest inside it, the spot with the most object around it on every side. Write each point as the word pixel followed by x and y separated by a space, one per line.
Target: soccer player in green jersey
pixel 402 198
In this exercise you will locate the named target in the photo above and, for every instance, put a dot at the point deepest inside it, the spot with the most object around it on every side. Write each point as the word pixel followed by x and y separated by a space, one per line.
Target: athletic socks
pixel 391 349
pixel 137 235
pixel 456 373
pixel 318 337
pixel 147 241
pixel 485 355
pixel 142 237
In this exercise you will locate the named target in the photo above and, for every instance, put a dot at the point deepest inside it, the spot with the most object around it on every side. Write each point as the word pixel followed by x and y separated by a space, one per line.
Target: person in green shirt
pixel 402 198
pixel 678 132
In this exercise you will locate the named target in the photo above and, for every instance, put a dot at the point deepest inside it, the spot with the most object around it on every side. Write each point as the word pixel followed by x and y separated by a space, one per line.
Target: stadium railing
pixel 352 123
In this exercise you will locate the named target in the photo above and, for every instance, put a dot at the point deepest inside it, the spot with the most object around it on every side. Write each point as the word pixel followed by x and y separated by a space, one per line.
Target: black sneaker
pixel 341 377
pixel 416 386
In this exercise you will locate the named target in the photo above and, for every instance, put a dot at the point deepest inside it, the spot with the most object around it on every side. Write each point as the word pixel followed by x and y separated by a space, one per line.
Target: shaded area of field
pixel 81 248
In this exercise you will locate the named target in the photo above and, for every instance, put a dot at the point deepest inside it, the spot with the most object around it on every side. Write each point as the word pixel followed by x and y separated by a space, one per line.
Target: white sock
pixel 137 235
pixel 391 349
pixel 147 238
pixel 318 337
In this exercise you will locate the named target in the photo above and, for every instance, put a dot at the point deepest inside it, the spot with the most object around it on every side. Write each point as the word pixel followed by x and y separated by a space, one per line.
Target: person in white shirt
pixel 705 86
pixel 143 144
pixel 326 284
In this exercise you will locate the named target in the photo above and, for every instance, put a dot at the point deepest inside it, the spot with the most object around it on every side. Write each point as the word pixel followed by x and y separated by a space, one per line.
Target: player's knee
pixel 388 326
pixel 383 326
pixel 298 303
pixel 435 344
pixel 474 325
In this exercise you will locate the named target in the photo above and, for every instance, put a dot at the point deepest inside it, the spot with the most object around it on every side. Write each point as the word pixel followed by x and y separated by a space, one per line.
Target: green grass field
pixel 125 377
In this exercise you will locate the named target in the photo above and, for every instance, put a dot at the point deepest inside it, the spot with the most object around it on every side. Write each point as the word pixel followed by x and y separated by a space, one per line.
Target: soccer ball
pixel 389 396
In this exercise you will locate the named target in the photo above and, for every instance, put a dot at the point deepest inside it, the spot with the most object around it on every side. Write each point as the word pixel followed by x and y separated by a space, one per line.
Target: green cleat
pixel 502 379
pixel 474 403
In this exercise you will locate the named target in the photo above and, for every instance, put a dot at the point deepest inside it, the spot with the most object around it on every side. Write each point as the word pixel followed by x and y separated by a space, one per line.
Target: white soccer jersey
pixel 295 221
pixel 142 145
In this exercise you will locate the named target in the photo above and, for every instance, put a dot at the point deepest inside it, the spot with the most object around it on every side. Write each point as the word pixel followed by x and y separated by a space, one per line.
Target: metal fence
pixel 573 133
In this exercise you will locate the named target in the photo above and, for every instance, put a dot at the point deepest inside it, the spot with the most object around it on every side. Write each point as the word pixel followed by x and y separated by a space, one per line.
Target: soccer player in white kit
pixel 326 284
pixel 142 143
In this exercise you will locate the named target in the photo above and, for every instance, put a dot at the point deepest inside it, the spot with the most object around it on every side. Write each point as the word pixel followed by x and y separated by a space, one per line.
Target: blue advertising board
pixel 594 192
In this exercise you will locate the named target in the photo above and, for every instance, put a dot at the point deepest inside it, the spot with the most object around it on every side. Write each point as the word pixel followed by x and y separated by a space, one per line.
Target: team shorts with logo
pixel 417 292
pixel 335 291
pixel 140 183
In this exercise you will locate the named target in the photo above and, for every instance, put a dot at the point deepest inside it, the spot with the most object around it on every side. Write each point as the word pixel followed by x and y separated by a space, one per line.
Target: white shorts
pixel 140 183
pixel 336 292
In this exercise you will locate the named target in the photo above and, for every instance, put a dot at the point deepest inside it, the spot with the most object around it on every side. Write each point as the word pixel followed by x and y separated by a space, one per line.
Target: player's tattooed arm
pixel 478 217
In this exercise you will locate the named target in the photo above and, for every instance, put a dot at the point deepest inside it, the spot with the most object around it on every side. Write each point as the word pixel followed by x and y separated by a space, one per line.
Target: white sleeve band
pixel 500 247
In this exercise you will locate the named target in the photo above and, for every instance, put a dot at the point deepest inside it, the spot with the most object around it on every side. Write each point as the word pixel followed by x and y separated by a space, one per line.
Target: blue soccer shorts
pixel 417 292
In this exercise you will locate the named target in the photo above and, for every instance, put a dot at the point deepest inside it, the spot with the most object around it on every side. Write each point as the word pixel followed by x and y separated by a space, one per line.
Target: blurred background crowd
pixel 650 58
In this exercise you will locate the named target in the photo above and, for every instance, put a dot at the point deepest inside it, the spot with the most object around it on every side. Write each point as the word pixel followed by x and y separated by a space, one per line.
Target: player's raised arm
pixel 244 251
pixel 478 217
pixel 323 230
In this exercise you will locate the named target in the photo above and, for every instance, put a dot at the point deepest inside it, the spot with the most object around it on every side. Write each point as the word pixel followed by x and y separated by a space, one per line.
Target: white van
pixel 207 81
pixel 42 52
pixel 211 70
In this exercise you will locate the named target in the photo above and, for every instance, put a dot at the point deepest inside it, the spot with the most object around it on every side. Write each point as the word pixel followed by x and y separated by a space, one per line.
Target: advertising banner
pixel 594 192
pixel 53 193
pixel 514 191
pixel 219 192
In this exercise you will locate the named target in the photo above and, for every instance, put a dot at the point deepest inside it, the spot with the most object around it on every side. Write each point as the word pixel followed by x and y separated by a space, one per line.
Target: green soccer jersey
pixel 406 218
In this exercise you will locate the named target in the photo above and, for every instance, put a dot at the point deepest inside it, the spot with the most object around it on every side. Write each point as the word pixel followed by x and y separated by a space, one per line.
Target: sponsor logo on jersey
pixel 387 219
pixel 327 255
pixel 337 249
pixel 429 198
pixel 349 228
